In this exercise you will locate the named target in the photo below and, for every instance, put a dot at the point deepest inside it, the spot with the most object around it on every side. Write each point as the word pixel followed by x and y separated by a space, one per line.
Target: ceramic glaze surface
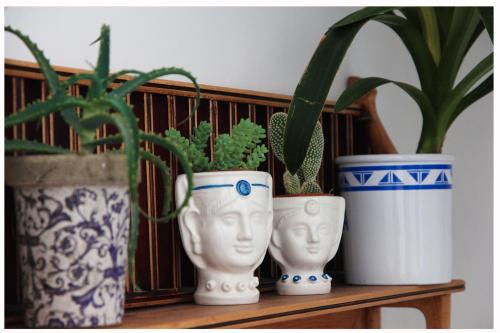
pixel 306 236
pixel 73 252
pixel 398 228
pixel 225 231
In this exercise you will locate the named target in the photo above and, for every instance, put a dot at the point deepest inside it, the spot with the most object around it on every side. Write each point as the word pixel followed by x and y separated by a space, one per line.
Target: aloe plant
pixel 98 107
pixel 438 39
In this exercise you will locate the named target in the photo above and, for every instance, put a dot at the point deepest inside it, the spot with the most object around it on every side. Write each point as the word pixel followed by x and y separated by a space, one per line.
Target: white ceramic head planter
pixel 306 236
pixel 225 231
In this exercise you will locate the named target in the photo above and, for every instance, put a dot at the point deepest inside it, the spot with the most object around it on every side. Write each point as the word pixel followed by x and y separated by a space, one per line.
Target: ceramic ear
pixel 338 216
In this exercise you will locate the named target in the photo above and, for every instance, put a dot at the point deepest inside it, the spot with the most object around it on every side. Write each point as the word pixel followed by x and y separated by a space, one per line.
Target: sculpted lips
pixel 312 249
pixel 243 248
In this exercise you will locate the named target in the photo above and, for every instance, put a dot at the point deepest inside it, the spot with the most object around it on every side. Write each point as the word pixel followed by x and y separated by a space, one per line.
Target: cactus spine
pixel 304 181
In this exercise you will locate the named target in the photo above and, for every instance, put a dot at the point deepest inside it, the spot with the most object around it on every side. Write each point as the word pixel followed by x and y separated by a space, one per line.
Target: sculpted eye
pixel 300 230
pixel 257 217
pixel 230 218
pixel 324 229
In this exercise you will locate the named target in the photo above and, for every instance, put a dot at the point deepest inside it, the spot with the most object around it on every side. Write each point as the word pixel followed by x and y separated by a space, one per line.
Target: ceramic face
pixel 235 230
pixel 306 241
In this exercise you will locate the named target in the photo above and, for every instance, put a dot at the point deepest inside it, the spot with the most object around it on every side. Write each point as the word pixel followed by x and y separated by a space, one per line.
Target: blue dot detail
pixel 243 187
pixel 312 278
pixel 284 277
pixel 296 278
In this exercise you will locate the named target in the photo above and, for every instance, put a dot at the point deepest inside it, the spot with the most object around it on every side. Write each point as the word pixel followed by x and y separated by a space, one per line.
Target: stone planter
pixel 225 231
pixel 72 214
pixel 398 218
pixel 306 235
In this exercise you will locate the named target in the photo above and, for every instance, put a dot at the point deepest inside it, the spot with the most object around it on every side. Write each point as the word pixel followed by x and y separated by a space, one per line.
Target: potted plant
pixel 74 209
pixel 398 206
pixel 226 227
pixel 307 224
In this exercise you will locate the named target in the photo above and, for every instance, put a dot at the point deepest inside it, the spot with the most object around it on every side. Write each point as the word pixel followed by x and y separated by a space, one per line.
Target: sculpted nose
pixel 245 232
pixel 313 237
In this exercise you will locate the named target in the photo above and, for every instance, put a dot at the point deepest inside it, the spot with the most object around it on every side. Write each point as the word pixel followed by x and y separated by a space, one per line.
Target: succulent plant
pixel 305 179
pixel 239 150
pixel 98 107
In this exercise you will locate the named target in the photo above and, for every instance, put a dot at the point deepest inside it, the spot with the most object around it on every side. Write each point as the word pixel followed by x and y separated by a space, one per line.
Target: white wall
pixel 267 49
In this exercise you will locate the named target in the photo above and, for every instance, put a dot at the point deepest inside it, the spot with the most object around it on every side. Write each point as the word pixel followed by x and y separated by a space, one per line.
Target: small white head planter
pixel 306 236
pixel 225 231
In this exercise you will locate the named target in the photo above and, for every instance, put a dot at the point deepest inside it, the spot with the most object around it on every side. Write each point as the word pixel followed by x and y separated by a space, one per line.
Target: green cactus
pixel 239 150
pixel 304 181
pixel 100 106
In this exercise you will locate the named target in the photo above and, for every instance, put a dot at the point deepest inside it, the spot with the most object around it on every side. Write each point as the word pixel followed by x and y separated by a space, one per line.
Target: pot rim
pixel 302 195
pixel 109 169
pixel 216 173
pixel 397 158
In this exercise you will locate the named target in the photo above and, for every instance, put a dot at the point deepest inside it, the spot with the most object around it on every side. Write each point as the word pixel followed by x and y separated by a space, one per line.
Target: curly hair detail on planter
pixel 226 227
pixel 307 224
pixel 73 210
pixel 383 191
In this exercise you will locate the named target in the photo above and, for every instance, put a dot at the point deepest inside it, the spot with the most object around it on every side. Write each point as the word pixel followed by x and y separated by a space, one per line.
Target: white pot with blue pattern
pixel 306 235
pixel 72 215
pixel 398 218
pixel 225 230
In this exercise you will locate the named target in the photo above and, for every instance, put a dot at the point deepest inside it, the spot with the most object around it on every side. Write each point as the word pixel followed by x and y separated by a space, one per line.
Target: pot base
pixel 314 283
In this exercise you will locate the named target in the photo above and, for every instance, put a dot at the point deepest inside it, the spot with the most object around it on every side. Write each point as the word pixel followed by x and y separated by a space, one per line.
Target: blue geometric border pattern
pixel 396 177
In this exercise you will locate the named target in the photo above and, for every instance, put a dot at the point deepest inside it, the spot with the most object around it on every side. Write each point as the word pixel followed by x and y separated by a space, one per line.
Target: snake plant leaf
pixel 462 27
pixel 416 45
pixel 430 29
pixel 362 15
pixel 183 161
pixel 47 70
pixel 33 147
pixel 363 86
pixel 486 14
pixel 475 94
pixel 444 16
pixel 412 15
pixel 39 109
pixel 449 109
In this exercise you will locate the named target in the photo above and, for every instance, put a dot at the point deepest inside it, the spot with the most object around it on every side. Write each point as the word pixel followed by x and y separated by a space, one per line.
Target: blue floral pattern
pixel 73 252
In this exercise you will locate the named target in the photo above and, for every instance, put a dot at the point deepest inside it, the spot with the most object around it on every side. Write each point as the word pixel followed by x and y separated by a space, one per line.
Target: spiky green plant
pixel 438 39
pixel 98 107
pixel 239 150
pixel 305 180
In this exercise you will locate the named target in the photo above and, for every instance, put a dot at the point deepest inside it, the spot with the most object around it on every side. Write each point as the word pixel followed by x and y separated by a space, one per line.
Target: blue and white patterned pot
pixel 72 243
pixel 398 223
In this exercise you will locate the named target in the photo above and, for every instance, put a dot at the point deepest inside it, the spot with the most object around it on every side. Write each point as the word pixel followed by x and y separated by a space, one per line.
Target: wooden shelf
pixel 355 306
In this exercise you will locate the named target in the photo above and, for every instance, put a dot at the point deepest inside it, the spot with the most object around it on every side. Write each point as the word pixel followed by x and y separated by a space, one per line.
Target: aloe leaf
pixel 450 107
pixel 416 45
pixel 47 70
pixel 363 86
pixel 102 67
pixel 167 186
pixel 462 27
pixel 77 78
pixel 40 109
pixel 114 76
pixel 430 30
pixel 33 147
pixel 183 160
pixel 486 14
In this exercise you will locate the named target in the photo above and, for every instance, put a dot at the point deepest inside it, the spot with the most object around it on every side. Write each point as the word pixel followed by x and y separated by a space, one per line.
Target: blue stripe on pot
pixel 396 177
pixel 205 187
